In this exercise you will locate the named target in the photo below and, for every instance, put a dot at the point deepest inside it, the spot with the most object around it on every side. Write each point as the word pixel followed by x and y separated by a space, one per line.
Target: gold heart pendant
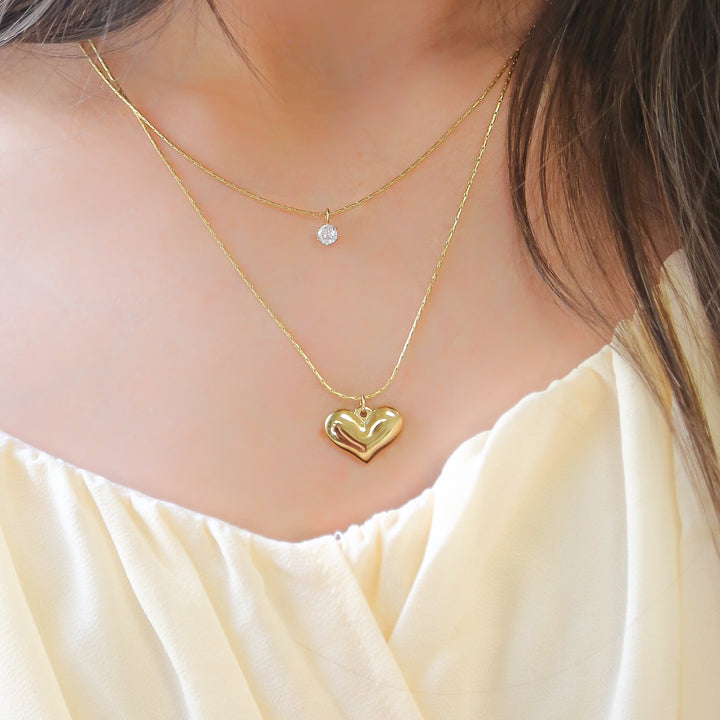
pixel 363 431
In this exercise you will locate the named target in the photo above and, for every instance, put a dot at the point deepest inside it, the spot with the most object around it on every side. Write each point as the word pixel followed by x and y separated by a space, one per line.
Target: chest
pixel 132 347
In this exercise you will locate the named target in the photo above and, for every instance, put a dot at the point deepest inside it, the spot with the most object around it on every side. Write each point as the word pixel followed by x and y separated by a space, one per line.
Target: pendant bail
pixel 363 412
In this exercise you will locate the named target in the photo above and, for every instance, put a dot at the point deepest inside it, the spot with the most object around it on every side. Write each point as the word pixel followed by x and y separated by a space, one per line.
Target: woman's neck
pixel 309 54
pixel 335 98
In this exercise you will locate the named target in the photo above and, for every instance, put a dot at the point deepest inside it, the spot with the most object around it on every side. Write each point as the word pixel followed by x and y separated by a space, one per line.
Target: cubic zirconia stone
pixel 327 234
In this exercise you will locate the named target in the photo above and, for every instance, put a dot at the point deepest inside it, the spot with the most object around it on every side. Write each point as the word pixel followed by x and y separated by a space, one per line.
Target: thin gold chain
pixel 102 69
pixel 438 266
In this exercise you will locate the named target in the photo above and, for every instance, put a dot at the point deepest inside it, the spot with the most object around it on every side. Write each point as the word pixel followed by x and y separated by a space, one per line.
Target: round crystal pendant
pixel 327 234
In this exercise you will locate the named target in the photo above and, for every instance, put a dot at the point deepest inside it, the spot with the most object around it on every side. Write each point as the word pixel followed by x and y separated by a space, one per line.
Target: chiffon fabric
pixel 561 566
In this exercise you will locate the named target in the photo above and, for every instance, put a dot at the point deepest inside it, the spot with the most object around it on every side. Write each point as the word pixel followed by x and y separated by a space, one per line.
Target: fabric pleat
pixel 561 566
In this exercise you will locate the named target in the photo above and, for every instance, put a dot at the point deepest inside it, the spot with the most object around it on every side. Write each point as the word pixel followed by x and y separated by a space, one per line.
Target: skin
pixel 129 346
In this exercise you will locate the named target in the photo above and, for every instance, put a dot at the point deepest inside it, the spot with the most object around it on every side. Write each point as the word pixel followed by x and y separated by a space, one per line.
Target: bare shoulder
pixel 45 171
pixel 41 75
pixel 47 96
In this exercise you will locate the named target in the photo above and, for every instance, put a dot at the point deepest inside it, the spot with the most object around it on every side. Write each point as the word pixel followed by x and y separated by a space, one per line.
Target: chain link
pixel 102 69
pixel 149 130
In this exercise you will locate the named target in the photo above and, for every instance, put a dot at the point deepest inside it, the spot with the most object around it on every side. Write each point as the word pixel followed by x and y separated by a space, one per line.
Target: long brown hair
pixel 621 100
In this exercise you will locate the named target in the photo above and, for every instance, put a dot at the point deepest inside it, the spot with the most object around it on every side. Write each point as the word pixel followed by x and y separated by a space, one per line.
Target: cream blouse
pixel 560 567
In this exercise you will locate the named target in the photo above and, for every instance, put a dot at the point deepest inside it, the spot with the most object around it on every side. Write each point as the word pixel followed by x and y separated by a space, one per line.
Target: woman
pixel 456 460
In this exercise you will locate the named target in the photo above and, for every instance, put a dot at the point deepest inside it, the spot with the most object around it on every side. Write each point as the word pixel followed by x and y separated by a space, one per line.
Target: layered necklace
pixel 362 431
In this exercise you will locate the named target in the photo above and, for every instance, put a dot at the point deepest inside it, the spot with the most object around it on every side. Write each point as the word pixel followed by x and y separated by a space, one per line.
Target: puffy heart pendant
pixel 363 432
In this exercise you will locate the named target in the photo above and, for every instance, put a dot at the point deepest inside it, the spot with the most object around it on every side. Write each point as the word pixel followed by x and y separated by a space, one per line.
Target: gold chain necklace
pixel 327 234
pixel 362 431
